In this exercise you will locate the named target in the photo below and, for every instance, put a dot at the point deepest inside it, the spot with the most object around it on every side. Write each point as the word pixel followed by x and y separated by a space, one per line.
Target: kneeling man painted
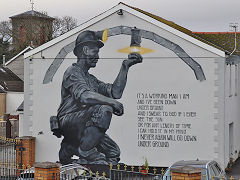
pixel 87 106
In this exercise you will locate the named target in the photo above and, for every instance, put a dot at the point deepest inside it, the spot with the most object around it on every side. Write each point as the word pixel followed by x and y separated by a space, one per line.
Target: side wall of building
pixel 219 114
pixel 232 113
pixel 169 115
pixel 13 101
pixel 17 67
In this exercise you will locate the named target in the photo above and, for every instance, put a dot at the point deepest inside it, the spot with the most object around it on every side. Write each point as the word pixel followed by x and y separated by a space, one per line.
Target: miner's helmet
pixel 87 38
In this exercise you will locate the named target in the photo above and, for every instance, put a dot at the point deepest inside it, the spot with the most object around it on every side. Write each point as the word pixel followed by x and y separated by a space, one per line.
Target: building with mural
pixel 180 100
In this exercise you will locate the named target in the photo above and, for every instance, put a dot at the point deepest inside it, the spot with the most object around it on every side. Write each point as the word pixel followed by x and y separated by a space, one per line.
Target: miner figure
pixel 87 105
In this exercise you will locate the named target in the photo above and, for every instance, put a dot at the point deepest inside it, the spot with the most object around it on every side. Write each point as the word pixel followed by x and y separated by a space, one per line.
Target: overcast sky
pixel 196 15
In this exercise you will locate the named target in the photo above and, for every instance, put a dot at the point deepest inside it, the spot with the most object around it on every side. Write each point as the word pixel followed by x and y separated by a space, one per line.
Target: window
pixel 22 34
pixel 42 35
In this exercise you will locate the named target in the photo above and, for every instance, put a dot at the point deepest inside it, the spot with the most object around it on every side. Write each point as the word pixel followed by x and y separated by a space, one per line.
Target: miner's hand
pixel 118 108
pixel 133 58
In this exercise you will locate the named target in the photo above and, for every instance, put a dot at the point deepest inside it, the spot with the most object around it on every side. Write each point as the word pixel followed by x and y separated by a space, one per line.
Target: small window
pixel 22 34
pixel 42 35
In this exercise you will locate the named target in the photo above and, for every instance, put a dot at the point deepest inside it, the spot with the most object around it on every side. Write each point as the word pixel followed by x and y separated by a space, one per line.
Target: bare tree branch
pixel 63 24
pixel 6 30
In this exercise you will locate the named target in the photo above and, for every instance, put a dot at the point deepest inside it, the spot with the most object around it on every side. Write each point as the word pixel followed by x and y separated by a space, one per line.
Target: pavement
pixel 235 171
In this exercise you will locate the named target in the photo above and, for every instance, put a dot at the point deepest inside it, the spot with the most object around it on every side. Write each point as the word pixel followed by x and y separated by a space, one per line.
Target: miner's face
pixel 92 56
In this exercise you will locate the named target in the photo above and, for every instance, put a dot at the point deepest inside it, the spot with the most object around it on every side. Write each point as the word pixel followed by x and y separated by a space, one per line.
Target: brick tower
pixel 31 28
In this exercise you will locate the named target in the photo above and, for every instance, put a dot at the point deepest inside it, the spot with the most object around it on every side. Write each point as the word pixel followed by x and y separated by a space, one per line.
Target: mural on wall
pixel 103 35
pixel 88 104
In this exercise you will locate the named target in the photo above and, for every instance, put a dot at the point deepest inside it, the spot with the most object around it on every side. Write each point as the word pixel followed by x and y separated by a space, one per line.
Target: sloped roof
pixel 19 54
pixel 161 22
pixel 7 75
pixel 225 40
pixel 181 29
pixel 21 107
pixel 169 23
pixel 9 81
pixel 13 86
pixel 32 13
pixel 2 90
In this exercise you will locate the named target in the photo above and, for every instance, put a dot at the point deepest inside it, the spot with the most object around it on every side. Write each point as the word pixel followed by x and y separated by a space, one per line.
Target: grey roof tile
pixel 33 14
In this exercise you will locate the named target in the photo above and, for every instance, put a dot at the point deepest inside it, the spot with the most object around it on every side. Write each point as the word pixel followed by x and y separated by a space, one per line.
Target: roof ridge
pixel 214 32
pixel 32 13
pixel 16 56
pixel 178 27
pixel 163 20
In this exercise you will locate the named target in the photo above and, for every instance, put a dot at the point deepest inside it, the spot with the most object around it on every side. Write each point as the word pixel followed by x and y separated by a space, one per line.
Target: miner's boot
pixel 66 152
pixel 91 157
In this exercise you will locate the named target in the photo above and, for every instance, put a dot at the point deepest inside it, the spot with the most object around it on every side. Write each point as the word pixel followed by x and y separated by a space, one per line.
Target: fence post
pixel 8 125
pixel 110 170
pixel 46 171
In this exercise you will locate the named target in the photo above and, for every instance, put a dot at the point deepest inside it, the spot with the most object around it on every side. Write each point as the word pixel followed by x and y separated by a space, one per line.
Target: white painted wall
pixel 232 101
pixel 13 101
pixel 160 72
pixel 220 111
pixel 28 92
pixel 21 124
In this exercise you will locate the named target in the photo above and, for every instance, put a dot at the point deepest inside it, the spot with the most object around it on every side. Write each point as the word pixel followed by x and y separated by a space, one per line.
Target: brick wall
pixel 27 145
pixel 186 173
pixel 46 171
pixel 186 176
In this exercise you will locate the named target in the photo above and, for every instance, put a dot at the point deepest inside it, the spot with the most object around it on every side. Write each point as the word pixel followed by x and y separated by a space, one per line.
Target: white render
pixel 21 124
pixel 13 101
pixel 167 74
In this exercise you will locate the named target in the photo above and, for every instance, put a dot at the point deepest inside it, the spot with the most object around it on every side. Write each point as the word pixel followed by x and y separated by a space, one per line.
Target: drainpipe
pixel 234 26
pixel 235 39
pixel 236 79
pixel 4 60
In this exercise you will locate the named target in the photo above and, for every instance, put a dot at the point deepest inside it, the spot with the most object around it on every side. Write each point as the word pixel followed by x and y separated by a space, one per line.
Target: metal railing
pixel 125 172
pixel 131 175
pixel 26 172
pixel 15 173
pixel 8 155
pixel 201 176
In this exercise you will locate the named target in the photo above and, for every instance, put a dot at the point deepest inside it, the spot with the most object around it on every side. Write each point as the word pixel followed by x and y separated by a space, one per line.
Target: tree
pixel 6 30
pixel 5 40
pixel 31 33
pixel 63 25
pixel 5 50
